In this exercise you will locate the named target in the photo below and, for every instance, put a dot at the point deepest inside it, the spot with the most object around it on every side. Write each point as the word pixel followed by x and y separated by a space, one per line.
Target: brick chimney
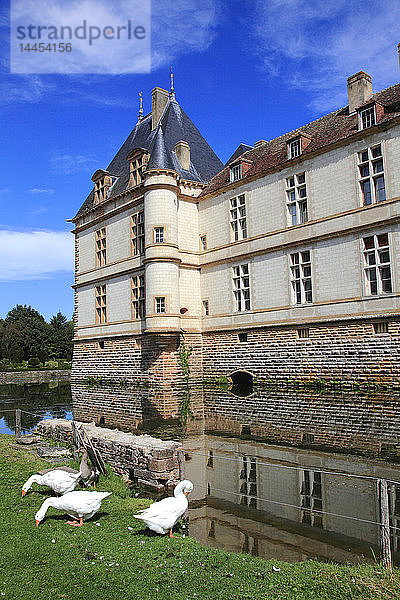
pixel 159 99
pixel 359 87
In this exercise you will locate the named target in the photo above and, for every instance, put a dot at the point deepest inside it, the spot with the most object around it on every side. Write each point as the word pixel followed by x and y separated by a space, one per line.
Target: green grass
pixel 106 560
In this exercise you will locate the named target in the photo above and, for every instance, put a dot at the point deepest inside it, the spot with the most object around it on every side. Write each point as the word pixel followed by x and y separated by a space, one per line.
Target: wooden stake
pixel 75 441
pixel 18 422
pixel 383 499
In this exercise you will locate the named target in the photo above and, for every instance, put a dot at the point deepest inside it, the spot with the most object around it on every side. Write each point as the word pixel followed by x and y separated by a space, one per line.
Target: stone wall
pixel 142 459
pixel 21 377
pixel 348 351
pixel 130 380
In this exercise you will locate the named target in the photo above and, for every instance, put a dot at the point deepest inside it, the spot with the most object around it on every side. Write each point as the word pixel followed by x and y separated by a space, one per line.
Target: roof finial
pixel 140 107
pixel 172 94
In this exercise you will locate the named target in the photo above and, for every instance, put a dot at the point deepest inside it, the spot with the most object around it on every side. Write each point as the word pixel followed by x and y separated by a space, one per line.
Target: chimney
pixel 182 150
pixel 159 99
pixel 359 87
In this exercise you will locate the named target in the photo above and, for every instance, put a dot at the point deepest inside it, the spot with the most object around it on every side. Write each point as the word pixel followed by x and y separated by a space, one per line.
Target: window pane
pixel 364 170
pixel 301 178
pixel 366 192
pixel 302 192
pixel 378 166
pixel 383 240
pixel 380 193
pixel 377 151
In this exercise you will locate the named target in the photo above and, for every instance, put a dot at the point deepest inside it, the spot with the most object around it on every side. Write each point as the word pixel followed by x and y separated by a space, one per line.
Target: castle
pixel 282 263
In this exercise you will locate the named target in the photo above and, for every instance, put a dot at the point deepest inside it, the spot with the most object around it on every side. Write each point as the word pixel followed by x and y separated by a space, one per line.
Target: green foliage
pixel 93 382
pixel 24 333
pixel 117 558
pixel 33 361
pixel 184 355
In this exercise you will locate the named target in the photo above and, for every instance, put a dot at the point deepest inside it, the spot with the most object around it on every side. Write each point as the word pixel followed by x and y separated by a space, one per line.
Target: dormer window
pixel 102 184
pixel 297 145
pixel 235 172
pixel 367 117
pixel 294 148
pixel 138 160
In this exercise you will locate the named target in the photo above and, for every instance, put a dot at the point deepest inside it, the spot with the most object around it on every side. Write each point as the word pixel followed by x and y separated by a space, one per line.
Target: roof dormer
pixel 238 169
pixel 369 115
pixel 296 145
pixel 138 159
pixel 103 181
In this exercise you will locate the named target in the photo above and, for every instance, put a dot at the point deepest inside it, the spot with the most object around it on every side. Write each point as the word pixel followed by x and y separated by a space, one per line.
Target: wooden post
pixel 18 422
pixel 383 499
pixel 75 441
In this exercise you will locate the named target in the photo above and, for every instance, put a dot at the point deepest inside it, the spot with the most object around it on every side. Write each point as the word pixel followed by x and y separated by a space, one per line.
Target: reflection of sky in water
pixel 54 413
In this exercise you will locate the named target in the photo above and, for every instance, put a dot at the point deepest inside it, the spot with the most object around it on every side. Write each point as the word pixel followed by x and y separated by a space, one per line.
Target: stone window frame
pixel 367 117
pixel 101 303
pixel 296 198
pixel 311 498
pixel 241 287
pixel 138 160
pixel 205 307
pixel 138 296
pixel 300 269
pixel 238 218
pixel 203 242
pixel 159 236
pixel 371 173
pixel 164 305
pixel 137 233
pixel 100 240
pixel 377 264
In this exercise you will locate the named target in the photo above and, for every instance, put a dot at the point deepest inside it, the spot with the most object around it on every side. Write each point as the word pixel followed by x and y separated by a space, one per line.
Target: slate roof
pixel 174 125
pixel 325 131
pixel 238 152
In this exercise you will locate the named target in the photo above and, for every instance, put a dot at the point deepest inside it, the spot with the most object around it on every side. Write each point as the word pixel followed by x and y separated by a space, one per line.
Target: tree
pixel 24 333
pixel 61 335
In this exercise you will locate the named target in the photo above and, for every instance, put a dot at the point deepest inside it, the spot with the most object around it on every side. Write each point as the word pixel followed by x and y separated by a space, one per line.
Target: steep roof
pixel 323 132
pixel 241 149
pixel 174 126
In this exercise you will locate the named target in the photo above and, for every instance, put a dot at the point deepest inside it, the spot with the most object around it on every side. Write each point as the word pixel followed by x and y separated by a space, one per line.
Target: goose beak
pixel 23 493
pixel 37 522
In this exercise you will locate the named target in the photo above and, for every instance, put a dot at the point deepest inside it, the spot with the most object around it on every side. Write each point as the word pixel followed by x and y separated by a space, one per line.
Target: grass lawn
pixel 113 557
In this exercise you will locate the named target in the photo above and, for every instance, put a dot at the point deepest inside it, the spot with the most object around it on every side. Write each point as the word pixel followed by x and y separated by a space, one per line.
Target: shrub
pixel 33 361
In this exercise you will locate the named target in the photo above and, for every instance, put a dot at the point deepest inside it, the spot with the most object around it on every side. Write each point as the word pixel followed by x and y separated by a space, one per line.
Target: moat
pixel 295 499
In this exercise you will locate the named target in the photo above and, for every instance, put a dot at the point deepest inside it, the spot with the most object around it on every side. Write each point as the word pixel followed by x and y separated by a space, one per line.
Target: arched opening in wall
pixel 102 421
pixel 242 383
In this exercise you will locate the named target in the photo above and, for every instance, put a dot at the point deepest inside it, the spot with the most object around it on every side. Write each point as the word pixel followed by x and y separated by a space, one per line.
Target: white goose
pixel 78 505
pixel 58 480
pixel 161 516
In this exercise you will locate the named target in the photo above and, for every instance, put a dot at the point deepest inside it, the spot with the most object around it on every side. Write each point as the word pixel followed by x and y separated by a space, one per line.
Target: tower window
pixel 160 304
pixel 158 235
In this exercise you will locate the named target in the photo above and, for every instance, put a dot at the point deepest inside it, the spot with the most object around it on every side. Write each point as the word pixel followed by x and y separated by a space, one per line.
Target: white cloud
pixel 41 191
pixel 316 45
pixel 182 27
pixel 35 254
pixel 70 164
pixel 92 50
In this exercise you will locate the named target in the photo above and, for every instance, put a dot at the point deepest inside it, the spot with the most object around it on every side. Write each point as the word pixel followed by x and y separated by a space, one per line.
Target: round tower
pixel 161 253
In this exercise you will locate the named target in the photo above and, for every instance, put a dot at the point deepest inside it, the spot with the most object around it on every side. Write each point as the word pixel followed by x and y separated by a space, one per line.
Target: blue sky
pixel 244 71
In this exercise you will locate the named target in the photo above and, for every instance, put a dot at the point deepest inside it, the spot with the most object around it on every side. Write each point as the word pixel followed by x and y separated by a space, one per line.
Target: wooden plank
pixel 383 498
pixel 100 462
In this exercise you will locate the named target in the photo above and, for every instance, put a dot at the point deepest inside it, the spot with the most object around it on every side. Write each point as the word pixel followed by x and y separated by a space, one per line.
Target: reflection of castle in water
pixel 287 503
pixel 360 423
